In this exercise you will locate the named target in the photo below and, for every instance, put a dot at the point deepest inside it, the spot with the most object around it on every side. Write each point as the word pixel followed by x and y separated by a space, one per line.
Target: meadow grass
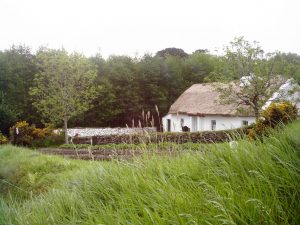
pixel 256 183
pixel 151 147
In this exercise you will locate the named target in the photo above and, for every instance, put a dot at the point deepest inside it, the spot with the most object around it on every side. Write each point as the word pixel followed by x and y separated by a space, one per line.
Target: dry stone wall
pixel 91 132
pixel 156 137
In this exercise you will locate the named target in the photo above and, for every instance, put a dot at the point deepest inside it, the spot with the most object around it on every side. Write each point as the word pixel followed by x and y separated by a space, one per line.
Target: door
pixel 194 123
pixel 168 125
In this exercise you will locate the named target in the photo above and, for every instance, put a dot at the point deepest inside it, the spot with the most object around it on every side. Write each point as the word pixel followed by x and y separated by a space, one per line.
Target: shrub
pixel 3 139
pixel 21 133
pixel 48 141
pixel 277 113
pixel 43 132
pixel 28 135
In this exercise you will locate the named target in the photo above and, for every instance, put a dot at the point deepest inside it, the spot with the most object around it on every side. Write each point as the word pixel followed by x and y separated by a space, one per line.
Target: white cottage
pixel 198 109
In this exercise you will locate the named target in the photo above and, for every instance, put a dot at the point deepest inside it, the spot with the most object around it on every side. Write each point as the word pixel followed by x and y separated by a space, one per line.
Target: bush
pixel 3 139
pixel 21 133
pixel 48 141
pixel 28 135
pixel 277 113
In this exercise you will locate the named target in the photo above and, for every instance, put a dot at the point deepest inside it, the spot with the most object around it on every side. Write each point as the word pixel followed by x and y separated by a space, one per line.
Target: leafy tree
pixel 175 73
pixel 153 89
pixel 203 65
pixel 201 51
pixel 152 82
pixel 17 69
pixel 123 75
pixel 7 115
pixel 63 87
pixel 288 64
pixel 254 79
pixel 104 109
pixel 172 52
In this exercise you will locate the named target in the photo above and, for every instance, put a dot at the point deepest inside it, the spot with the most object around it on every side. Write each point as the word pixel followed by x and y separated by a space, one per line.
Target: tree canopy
pixel 172 52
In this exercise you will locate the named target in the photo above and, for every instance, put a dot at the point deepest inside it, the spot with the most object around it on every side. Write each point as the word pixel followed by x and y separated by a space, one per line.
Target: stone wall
pixel 156 137
pixel 91 132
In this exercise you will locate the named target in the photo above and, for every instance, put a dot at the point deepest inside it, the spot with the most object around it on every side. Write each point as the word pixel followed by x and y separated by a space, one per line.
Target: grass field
pixel 256 183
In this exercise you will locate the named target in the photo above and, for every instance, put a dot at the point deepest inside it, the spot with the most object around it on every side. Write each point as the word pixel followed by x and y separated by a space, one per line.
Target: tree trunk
pixel 256 112
pixel 65 129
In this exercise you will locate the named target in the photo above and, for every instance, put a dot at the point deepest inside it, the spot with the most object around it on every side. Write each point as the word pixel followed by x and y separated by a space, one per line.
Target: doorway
pixel 168 125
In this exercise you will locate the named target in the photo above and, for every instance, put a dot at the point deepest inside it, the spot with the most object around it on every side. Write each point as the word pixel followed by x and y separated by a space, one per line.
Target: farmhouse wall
pixel 197 123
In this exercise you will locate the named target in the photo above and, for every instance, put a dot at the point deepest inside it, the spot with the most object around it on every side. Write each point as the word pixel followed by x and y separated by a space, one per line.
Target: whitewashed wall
pixel 204 123
pixel 175 122
pixel 90 132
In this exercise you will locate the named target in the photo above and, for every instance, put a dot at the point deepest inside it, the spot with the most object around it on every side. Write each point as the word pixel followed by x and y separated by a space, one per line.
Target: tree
pixel 289 64
pixel 252 71
pixel 153 89
pixel 7 115
pixel 123 75
pixel 203 65
pixel 17 70
pixel 201 51
pixel 104 109
pixel 63 87
pixel 173 52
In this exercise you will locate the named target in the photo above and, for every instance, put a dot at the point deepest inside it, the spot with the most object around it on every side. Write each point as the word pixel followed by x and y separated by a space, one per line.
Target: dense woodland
pixel 125 86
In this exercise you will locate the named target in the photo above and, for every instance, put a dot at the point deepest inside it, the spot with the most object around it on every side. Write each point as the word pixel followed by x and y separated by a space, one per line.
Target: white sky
pixel 139 26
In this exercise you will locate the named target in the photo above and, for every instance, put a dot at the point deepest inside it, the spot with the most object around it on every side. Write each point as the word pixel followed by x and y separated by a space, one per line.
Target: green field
pixel 256 183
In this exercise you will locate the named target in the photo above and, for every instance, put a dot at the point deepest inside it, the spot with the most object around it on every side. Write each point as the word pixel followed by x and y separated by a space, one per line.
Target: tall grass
pixel 255 183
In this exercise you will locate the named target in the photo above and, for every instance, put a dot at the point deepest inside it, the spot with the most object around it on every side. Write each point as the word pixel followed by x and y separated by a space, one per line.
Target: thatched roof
pixel 203 99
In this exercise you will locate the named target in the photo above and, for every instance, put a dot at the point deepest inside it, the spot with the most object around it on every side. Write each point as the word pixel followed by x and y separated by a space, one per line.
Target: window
pixel 244 123
pixel 213 125
pixel 182 122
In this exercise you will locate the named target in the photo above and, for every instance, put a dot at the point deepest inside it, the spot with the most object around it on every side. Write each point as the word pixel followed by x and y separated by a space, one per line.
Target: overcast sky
pixel 139 26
